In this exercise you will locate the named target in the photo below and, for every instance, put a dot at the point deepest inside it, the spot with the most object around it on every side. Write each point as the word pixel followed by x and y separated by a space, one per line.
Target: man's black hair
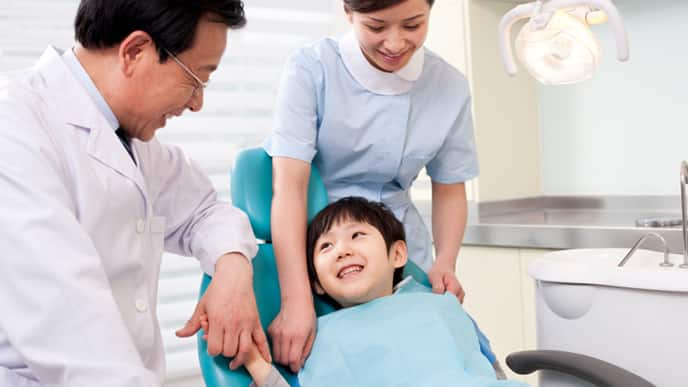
pixel 170 23
pixel 365 6
pixel 355 209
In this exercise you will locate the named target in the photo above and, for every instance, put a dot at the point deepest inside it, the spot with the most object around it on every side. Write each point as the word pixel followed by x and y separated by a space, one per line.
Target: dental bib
pixel 411 338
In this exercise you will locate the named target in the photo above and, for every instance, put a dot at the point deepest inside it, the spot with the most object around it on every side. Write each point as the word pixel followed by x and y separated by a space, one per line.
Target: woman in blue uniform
pixel 370 110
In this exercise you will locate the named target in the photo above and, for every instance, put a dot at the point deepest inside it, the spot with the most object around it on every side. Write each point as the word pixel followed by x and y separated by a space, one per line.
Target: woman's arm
pixel 449 213
pixel 293 330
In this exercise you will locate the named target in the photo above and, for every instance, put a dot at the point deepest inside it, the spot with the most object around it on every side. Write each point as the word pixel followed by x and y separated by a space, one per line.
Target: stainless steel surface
pixel 684 180
pixel 640 241
pixel 658 222
pixel 565 222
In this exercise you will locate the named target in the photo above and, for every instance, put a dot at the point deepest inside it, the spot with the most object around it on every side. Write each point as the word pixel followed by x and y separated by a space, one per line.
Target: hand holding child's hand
pixel 257 367
pixel 253 354
pixel 230 308
pixel 444 280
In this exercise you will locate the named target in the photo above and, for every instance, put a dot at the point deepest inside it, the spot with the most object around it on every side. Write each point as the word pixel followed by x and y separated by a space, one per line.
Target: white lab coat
pixel 83 230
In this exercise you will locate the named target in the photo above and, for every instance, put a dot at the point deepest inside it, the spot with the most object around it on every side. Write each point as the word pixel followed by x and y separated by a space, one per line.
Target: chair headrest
pixel 252 190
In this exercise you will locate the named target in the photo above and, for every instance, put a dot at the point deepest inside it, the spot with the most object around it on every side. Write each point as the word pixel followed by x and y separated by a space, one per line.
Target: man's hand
pixel 230 307
pixel 443 279
pixel 293 332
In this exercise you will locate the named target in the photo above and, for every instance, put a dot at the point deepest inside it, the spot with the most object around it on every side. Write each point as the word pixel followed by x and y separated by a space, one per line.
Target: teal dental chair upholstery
pixel 251 186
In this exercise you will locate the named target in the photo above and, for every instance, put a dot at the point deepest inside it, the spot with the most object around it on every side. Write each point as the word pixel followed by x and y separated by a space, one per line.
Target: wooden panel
pixel 491 277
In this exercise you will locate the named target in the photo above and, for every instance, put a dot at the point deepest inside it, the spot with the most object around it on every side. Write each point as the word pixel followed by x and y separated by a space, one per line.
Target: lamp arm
pixel 615 21
pixel 522 11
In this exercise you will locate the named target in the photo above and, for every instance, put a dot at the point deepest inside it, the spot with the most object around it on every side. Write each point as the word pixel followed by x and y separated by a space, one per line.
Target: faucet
pixel 665 262
pixel 684 181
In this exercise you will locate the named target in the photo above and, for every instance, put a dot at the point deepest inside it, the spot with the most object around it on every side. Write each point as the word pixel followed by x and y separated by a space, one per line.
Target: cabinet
pixel 500 297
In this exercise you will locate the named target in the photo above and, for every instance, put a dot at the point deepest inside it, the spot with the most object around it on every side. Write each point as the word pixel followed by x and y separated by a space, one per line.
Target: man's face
pixel 161 91
pixel 389 37
pixel 353 264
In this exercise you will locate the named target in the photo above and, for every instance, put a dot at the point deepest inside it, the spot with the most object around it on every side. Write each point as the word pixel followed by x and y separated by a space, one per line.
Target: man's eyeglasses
pixel 200 85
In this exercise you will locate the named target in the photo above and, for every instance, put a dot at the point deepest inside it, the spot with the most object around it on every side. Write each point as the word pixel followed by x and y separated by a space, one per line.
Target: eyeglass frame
pixel 200 85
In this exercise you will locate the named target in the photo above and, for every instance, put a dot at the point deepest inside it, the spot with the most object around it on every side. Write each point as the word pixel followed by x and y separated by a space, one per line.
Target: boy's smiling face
pixel 353 264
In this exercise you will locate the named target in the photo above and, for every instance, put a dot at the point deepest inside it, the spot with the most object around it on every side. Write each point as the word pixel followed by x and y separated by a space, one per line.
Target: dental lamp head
pixel 556 45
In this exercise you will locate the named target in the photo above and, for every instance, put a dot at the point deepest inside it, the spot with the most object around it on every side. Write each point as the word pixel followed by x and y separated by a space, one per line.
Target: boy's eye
pixel 324 245
pixel 375 28
pixel 357 234
pixel 413 27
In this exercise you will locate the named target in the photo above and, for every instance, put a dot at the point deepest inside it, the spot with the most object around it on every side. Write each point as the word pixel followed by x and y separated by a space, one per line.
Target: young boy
pixel 389 332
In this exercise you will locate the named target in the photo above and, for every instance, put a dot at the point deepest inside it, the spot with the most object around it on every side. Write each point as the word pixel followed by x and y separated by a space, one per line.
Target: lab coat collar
pixel 74 106
pixel 377 81
pixel 72 62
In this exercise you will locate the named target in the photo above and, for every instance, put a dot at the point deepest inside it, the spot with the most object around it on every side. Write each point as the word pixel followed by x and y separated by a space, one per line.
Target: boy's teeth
pixel 349 270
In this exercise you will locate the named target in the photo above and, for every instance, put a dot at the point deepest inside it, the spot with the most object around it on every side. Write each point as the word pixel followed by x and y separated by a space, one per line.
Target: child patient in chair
pixel 390 331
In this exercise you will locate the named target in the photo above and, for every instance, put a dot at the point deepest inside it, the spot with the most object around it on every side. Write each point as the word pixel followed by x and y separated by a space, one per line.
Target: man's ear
pixel 398 253
pixel 318 289
pixel 133 49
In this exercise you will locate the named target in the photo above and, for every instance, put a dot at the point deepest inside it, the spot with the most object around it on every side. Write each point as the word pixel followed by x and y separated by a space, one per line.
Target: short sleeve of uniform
pixel 457 161
pixel 296 118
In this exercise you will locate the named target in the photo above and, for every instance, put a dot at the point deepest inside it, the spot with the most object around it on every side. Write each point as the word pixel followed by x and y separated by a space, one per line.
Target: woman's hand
pixel 293 332
pixel 443 279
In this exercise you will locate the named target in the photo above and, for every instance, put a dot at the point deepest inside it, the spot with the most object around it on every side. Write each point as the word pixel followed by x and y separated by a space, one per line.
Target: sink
pixel 629 316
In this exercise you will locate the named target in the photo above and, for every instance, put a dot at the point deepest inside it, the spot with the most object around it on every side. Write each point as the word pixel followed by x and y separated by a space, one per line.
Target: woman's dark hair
pixel 365 6
pixel 355 209
pixel 170 23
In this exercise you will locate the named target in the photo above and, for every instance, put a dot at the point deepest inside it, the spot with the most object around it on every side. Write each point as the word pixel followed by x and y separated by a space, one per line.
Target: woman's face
pixel 389 37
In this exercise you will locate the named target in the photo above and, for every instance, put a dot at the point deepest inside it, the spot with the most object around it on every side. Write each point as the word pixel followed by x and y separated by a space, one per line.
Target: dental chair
pixel 251 191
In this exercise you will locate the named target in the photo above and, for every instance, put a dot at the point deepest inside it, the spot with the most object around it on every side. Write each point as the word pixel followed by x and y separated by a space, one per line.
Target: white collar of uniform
pixel 377 81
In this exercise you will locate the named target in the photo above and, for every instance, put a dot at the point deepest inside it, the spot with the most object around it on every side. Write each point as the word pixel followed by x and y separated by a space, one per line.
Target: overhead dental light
pixel 556 45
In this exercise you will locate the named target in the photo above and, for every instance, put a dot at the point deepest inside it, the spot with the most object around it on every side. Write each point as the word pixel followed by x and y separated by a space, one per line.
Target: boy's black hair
pixel 170 23
pixel 365 6
pixel 355 209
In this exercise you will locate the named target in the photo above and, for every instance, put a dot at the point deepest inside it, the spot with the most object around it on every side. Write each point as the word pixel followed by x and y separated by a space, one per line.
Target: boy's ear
pixel 398 253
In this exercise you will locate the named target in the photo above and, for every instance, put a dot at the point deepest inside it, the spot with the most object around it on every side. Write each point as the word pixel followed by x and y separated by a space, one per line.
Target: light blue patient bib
pixel 407 339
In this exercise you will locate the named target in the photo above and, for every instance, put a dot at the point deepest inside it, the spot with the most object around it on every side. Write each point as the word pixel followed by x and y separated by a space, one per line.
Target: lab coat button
pixel 140 226
pixel 141 306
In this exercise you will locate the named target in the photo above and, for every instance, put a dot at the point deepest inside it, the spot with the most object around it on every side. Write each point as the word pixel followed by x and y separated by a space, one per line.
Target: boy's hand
pixel 292 333
pixel 444 280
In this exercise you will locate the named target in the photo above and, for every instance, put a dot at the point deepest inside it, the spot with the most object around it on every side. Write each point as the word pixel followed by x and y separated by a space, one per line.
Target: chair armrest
pixel 588 368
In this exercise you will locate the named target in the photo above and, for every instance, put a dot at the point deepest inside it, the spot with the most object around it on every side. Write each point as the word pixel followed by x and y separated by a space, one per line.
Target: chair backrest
pixel 251 188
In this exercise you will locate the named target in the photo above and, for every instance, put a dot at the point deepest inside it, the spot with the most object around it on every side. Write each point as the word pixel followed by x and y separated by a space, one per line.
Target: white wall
pixel 504 112
pixel 625 131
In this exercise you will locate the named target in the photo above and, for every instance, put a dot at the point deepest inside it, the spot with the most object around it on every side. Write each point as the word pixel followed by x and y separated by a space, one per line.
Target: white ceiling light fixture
pixel 556 45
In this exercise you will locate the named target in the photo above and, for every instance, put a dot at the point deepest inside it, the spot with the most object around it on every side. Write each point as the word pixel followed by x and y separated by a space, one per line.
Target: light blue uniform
pixel 370 132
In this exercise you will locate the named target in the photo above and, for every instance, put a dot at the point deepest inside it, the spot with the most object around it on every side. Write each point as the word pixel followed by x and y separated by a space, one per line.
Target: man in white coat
pixel 89 199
